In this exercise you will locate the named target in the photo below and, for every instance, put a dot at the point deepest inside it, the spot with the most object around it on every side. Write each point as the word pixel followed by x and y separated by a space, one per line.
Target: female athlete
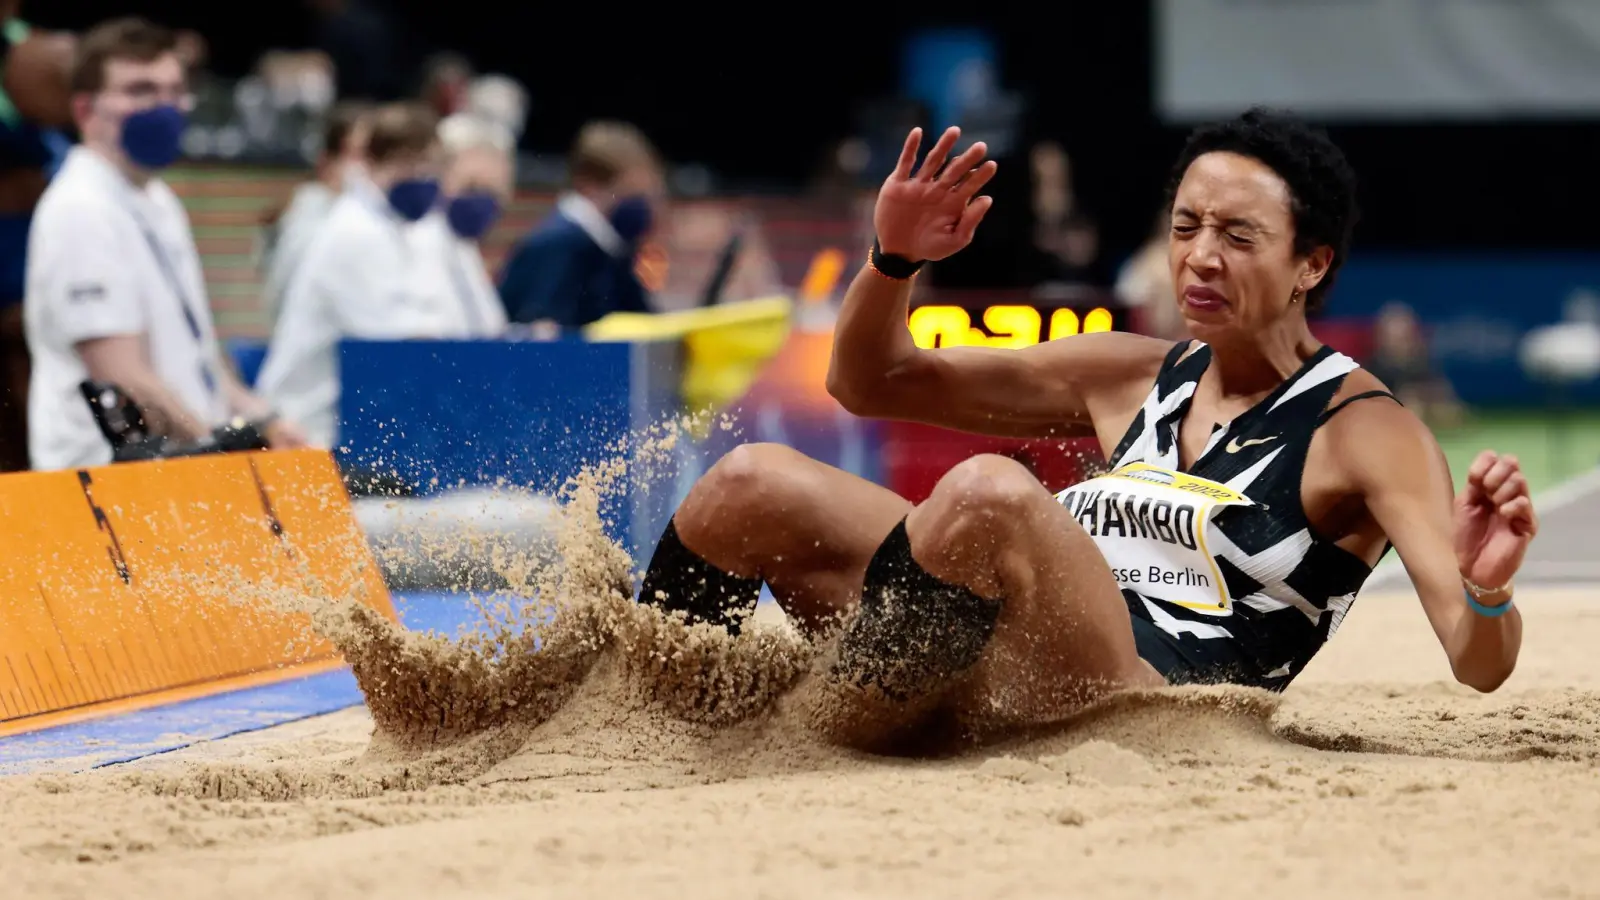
pixel 1257 476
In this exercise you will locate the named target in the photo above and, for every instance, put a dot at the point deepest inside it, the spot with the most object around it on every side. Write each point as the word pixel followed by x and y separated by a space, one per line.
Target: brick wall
pixel 227 205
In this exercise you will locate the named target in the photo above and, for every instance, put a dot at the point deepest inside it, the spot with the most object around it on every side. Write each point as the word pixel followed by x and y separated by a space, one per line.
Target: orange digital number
pixel 1012 327
pixel 940 326
pixel 1097 320
pixel 1065 323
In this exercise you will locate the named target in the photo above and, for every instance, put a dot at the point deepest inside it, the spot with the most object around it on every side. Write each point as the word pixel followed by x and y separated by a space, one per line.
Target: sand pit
pixel 630 756
pixel 1373 775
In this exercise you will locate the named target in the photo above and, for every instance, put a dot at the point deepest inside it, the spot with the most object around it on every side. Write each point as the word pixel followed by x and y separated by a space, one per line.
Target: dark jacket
pixel 559 272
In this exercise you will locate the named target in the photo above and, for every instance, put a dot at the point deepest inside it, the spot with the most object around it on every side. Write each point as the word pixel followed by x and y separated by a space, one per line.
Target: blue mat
pixel 121 738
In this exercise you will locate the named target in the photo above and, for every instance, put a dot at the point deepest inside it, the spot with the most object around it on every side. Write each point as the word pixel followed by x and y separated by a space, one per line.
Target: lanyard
pixel 175 281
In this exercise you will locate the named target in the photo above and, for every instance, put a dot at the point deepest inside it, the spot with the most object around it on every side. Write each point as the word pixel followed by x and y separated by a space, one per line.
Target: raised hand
pixel 930 214
pixel 1494 520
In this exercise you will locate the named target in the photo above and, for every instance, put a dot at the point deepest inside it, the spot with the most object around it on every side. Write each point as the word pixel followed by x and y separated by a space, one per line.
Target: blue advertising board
pixel 1476 310
pixel 533 414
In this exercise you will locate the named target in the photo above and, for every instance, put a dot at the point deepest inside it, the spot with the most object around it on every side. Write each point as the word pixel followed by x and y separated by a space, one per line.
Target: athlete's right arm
pixel 1045 390
pixel 928 212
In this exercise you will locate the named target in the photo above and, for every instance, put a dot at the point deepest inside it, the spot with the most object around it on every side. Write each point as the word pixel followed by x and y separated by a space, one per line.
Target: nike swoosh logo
pixel 1235 445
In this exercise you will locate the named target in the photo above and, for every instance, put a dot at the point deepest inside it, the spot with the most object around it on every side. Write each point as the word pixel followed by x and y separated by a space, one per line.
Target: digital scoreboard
pixel 1009 325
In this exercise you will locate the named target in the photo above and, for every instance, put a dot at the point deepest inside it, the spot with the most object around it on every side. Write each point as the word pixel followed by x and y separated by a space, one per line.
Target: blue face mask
pixel 153 138
pixel 471 215
pixel 632 218
pixel 414 197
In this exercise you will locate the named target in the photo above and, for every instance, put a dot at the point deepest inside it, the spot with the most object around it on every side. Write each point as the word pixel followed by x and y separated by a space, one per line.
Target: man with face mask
pixel 343 160
pixel 366 275
pixel 578 265
pixel 477 184
pixel 115 291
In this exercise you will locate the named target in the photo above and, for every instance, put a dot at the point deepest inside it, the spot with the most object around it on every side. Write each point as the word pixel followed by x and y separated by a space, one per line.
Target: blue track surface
pixel 122 738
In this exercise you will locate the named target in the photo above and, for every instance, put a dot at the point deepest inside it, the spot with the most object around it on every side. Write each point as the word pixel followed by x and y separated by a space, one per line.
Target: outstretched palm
pixel 930 214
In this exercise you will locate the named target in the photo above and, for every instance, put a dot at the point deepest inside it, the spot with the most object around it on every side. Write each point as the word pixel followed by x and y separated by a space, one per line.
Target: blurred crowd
pixel 101 282
pixel 104 284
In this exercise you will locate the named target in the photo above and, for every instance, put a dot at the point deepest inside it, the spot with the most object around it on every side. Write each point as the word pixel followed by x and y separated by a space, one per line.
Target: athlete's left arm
pixel 1452 545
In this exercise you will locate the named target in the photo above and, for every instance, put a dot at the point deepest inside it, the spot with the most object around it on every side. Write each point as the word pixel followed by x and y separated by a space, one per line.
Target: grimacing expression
pixel 1231 246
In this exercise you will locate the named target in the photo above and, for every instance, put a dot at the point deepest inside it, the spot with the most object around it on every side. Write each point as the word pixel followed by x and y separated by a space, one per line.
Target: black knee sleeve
pixel 912 629
pixel 680 580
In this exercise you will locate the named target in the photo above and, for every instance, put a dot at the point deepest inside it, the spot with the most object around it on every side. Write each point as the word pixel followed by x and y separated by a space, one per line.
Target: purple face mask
pixel 153 138
pixel 471 215
pixel 632 218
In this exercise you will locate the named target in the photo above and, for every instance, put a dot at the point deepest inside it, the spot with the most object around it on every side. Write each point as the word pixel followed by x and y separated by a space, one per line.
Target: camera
pixel 122 423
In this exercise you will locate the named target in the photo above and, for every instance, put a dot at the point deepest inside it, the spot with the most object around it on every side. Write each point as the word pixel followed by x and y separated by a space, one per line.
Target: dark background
pixel 759 92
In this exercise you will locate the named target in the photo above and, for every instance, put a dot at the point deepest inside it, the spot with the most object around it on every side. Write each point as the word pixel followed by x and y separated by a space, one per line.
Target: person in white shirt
pixel 366 276
pixel 114 290
pixel 343 159
pixel 478 181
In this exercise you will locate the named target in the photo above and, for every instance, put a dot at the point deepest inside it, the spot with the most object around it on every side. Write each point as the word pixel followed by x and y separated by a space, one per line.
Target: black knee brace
pixel 913 630
pixel 680 580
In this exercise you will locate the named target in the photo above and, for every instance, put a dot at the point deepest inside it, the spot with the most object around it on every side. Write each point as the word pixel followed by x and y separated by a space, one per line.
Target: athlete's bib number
pixel 1150 524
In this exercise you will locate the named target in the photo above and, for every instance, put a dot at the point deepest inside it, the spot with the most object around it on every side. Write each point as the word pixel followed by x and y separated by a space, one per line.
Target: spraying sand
pixel 632 755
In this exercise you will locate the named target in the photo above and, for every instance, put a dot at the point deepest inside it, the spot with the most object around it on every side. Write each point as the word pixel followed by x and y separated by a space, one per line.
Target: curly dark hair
pixel 1322 186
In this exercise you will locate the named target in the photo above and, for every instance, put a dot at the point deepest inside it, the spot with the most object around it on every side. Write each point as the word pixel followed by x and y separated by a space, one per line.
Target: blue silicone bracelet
pixel 1490 612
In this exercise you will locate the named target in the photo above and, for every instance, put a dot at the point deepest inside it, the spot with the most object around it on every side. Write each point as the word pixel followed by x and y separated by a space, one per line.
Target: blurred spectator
pixel 445 81
pixel 841 175
pixel 114 287
pixel 704 238
pixel 195 55
pixel 342 161
pixel 1063 231
pixel 276 112
pixel 499 99
pixel 361 38
pixel 1145 286
pixel 35 100
pixel 477 185
pixel 1401 361
pixel 365 277
pixel 578 265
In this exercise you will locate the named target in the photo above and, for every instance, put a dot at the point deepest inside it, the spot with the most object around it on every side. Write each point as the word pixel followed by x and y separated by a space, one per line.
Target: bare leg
pixel 1062 637
pixel 808 529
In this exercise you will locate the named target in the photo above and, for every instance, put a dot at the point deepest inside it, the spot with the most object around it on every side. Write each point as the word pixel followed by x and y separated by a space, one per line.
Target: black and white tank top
pixel 1223 551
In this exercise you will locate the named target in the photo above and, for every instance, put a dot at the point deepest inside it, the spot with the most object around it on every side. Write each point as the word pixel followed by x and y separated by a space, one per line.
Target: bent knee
pixel 750 478
pixel 750 469
pixel 989 487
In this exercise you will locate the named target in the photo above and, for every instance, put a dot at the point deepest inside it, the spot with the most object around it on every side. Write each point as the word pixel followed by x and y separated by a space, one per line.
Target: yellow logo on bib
pixel 1150 524
pixel 1180 481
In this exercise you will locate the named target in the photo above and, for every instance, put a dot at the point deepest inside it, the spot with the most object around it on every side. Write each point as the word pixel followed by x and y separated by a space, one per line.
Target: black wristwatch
pixel 891 266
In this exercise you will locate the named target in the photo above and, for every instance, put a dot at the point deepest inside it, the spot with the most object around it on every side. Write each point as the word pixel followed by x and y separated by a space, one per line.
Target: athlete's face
pixel 1232 246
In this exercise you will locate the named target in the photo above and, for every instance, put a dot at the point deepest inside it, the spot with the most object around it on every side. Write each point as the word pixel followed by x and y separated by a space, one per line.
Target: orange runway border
pixel 143 584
